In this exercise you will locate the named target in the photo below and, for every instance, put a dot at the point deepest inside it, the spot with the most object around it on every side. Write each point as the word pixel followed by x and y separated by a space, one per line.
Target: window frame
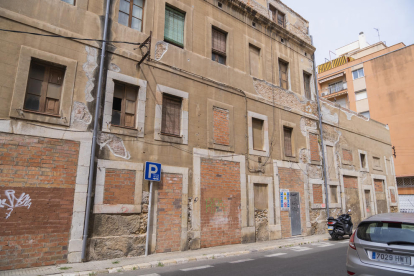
pixel 275 13
pixel 123 105
pixel 366 167
pixel 359 93
pixel 281 61
pixel 43 93
pixel 74 2
pixel 172 98
pixel 176 10
pixel 216 52
pixel 130 15
pixel 308 94
pixel 262 134
pixel 266 147
pixel 259 63
pixel 359 75
pixel 290 129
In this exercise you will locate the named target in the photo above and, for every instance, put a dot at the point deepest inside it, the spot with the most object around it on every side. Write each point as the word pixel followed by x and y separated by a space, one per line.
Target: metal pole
pixel 321 136
pixel 149 220
pixel 95 133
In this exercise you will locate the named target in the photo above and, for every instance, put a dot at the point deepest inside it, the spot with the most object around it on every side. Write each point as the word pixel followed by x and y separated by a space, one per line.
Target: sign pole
pixel 149 220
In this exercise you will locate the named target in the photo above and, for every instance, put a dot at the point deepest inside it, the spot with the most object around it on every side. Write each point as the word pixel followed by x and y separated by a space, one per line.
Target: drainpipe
pixel 95 133
pixel 325 175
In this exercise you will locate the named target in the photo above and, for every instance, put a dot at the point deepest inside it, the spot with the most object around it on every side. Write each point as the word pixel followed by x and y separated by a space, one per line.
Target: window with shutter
pixel 307 83
pixel 171 115
pixel 257 126
pixel 130 13
pixel 283 74
pixel 174 26
pixel 124 105
pixel 218 45
pixel 254 57
pixel 287 132
pixel 277 16
pixel 44 88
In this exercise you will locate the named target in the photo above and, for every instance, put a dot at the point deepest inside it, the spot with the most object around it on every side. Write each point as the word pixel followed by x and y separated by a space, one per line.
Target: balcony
pixel 335 89
pixel 333 63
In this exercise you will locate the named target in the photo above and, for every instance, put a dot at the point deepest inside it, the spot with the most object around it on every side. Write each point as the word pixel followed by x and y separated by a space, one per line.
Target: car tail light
pixel 351 273
pixel 331 222
pixel 352 244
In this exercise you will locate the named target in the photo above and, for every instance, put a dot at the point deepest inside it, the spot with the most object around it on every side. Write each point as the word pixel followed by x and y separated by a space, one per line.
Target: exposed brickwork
pixel 45 170
pixel 169 213
pixel 220 202
pixel 392 195
pixel 350 182
pixel 347 155
pixel 314 147
pixel 293 180
pixel 37 162
pixel 317 194
pixel 119 186
pixel 221 126
pixel 379 185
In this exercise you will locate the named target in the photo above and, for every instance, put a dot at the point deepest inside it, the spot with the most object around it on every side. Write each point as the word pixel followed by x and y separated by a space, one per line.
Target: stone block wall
pixel 220 202
pixel 37 184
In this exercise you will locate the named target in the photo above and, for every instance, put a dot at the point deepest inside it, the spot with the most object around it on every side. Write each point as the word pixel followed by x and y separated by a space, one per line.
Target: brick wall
pixel 392 195
pixel 43 170
pixel 293 180
pixel 119 186
pixel 347 155
pixel 379 185
pixel 169 213
pixel 317 194
pixel 220 202
pixel 350 182
pixel 221 126
pixel 314 147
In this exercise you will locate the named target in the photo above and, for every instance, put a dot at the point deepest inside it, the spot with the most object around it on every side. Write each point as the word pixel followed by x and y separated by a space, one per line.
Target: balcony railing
pixel 333 88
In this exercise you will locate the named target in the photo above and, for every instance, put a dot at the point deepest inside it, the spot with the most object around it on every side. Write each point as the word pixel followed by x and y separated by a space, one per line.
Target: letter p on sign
pixel 152 171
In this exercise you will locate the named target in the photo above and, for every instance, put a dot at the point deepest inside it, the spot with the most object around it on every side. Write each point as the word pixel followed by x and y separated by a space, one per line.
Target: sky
pixel 336 23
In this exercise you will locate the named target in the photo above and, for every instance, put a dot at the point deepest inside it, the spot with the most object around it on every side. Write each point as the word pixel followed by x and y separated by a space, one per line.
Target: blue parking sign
pixel 152 171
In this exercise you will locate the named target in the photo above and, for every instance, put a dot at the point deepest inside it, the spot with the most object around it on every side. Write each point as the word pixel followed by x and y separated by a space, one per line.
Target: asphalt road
pixel 323 258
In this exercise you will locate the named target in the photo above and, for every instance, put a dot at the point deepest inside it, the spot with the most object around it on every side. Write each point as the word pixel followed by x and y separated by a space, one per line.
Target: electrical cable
pixel 69 37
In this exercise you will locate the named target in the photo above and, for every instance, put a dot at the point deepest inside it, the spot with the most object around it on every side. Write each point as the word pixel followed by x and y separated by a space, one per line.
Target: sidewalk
pixel 161 259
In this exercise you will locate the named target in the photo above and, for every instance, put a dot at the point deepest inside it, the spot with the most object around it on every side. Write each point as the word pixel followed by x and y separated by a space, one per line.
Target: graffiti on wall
pixel 214 205
pixel 14 202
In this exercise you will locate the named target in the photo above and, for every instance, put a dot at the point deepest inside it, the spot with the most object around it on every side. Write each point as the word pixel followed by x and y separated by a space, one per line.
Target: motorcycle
pixel 340 226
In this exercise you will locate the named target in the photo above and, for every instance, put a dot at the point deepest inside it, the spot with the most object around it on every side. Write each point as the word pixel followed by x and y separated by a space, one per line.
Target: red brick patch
pixel 350 182
pixel 317 194
pixel 347 155
pixel 220 202
pixel 119 186
pixel 379 185
pixel 221 126
pixel 314 147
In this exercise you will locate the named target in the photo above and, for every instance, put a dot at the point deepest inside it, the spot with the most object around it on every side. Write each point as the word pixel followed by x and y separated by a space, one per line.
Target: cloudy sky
pixel 335 23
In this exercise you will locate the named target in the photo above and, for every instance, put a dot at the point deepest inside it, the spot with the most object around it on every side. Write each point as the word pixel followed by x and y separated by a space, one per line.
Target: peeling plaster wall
pixel 115 145
pixel 161 48
pixel 81 117
pixel 89 67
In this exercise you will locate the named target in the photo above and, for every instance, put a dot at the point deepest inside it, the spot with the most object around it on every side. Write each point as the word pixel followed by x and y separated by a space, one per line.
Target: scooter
pixel 340 226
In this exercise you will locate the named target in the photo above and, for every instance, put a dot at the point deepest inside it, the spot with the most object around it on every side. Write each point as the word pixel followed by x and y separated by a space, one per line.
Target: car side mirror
pixel 349 211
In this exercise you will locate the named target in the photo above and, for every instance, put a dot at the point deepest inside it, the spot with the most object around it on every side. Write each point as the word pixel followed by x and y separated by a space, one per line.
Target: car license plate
pixel 330 227
pixel 391 258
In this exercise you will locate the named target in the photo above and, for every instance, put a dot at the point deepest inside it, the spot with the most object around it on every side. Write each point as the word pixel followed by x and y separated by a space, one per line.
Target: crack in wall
pixel 89 67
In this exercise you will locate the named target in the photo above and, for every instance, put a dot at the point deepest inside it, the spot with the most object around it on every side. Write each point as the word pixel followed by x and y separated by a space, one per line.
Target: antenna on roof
pixel 379 38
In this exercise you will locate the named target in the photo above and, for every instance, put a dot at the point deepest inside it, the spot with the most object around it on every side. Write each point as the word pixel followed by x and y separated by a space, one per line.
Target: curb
pixel 170 262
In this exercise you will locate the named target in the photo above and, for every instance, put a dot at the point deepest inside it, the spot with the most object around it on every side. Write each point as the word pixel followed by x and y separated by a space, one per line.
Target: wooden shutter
pixel 283 74
pixel 307 80
pixel 174 26
pixel 44 88
pixel 257 126
pixel 218 41
pixel 287 132
pixel 254 54
pixel 280 18
pixel 124 105
pixel 171 115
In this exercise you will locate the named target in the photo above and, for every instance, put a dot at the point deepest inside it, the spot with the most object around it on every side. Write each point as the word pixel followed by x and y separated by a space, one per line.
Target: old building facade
pixel 226 104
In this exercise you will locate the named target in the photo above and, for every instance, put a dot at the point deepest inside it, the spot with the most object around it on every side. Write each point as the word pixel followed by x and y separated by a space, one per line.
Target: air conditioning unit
pixel 324 94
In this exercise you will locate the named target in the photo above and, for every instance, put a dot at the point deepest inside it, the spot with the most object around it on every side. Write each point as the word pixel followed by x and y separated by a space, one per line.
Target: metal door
pixel 295 214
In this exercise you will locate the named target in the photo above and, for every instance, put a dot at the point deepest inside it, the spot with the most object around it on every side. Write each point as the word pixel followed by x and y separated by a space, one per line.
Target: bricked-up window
pixel 283 74
pixel 277 16
pixel 333 197
pixel 307 84
pixel 130 13
pixel 287 134
pixel 124 105
pixel 72 2
pixel 174 26
pixel 44 88
pixel 377 163
pixel 218 46
pixel 171 115
pixel 254 58
pixel 257 125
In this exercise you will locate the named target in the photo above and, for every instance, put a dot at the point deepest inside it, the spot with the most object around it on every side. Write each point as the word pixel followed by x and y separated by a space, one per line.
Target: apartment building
pixel 226 102
pixel 375 81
